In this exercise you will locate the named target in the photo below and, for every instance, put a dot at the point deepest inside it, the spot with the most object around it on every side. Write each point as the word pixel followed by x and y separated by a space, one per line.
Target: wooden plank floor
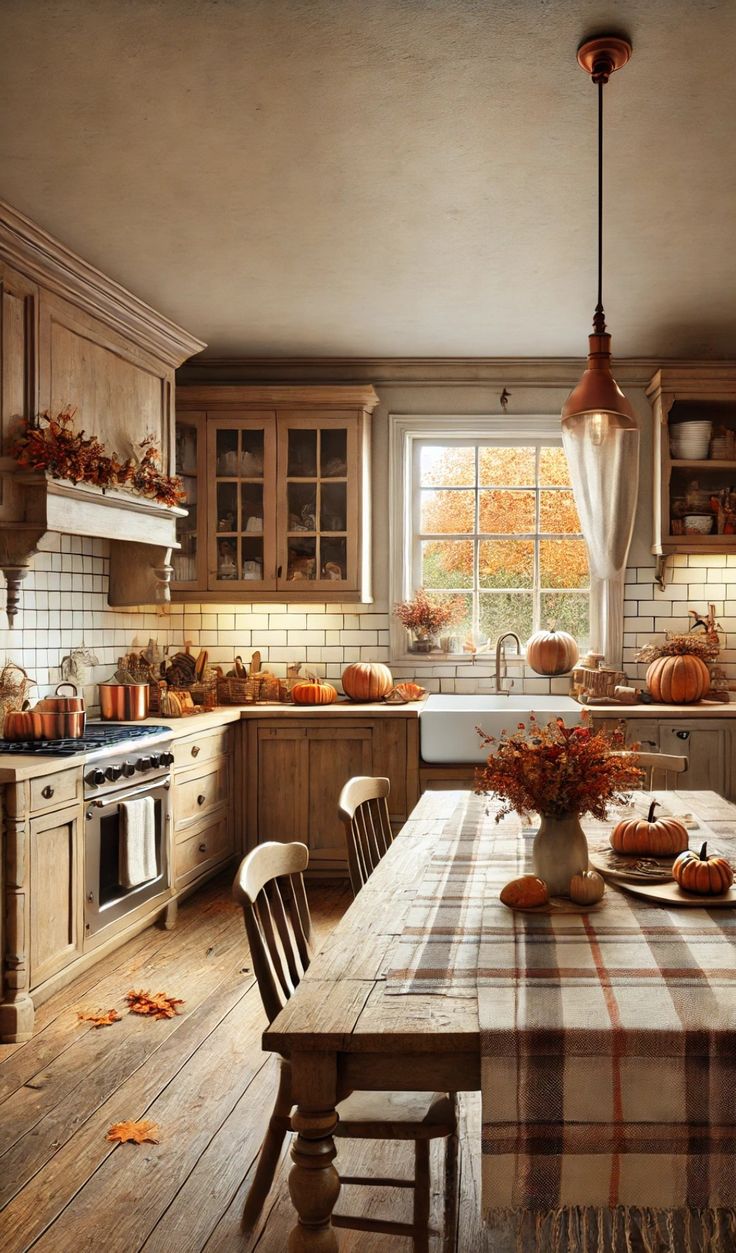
pixel 202 1077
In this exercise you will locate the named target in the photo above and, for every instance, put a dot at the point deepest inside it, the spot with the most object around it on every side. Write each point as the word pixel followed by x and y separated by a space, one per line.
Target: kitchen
pixel 236 449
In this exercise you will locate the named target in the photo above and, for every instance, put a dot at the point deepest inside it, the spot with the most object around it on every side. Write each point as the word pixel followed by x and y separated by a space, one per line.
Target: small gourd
pixel 525 893
pixel 586 887
pixel 702 875
pixel 313 693
pixel 650 836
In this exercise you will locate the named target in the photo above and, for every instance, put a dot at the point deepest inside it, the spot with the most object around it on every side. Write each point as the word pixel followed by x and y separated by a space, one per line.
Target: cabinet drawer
pixel 205 848
pixel 197 792
pixel 52 790
pixel 196 749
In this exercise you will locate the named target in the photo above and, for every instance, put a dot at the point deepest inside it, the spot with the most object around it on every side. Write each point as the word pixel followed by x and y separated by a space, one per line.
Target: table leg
pixel 314 1184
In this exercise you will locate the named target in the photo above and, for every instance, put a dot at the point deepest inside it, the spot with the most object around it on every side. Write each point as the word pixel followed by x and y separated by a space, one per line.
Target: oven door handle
pixel 113 800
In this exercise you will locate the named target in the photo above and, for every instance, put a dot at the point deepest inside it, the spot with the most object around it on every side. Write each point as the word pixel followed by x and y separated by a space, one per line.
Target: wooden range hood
pixel 71 336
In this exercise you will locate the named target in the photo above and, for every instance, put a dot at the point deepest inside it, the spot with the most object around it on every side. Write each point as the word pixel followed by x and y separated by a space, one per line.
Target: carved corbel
pixel 18 546
pixel 140 574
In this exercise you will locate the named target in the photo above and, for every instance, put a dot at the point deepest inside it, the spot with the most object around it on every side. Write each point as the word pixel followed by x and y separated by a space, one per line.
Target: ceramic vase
pixel 560 851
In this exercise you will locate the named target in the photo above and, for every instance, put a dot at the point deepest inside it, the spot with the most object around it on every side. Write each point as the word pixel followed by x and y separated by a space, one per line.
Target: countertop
pixel 16 767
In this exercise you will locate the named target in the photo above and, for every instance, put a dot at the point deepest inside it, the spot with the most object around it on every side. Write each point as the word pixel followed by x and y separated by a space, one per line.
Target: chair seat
pixel 396 1116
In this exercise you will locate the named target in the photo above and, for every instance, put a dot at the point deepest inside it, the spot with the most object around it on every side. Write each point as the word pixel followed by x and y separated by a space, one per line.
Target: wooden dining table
pixel 344 1030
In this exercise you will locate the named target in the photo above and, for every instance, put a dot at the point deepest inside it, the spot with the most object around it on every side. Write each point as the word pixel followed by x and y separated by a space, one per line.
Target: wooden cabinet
pixel 278 480
pixel 56 891
pixel 694 510
pixel 298 767
pixel 204 812
pixel 709 745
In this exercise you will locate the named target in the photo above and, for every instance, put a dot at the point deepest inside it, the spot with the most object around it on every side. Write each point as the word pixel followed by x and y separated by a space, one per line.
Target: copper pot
pixel 124 702
pixel 39 724
pixel 61 704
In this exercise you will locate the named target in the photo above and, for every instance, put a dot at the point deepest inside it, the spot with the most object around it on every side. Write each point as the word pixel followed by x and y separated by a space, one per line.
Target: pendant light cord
pixel 599 320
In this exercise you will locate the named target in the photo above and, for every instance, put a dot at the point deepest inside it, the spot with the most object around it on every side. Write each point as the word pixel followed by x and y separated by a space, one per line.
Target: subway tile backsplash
pixel 64 606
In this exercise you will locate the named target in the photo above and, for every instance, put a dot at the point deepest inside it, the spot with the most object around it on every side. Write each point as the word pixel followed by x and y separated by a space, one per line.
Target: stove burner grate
pixel 97 736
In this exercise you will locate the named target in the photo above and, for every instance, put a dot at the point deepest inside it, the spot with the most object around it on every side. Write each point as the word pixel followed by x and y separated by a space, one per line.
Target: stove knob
pixel 167 759
pixel 143 764
pixel 96 778
pixel 155 760
pixel 128 768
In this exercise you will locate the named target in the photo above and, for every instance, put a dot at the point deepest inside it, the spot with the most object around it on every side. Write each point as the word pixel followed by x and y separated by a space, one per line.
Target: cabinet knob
pixel 195 750
pixel 203 847
pixel 47 791
pixel 201 798
pixel 682 735
pixel 278 572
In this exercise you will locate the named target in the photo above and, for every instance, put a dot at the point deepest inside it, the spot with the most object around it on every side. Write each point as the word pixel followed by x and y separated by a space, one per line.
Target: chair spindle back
pixel 269 886
pixel 363 807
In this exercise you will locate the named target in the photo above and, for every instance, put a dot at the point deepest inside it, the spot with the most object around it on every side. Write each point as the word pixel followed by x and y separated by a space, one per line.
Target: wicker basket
pixel 243 691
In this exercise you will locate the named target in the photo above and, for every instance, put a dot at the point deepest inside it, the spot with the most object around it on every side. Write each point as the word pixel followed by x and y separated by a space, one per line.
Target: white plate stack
pixel 689 441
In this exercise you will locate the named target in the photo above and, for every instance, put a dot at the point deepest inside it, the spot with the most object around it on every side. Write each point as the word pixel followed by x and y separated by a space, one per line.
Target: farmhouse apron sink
pixel 447 723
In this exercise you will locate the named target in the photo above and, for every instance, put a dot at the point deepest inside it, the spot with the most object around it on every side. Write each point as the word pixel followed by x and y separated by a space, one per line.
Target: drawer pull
pixel 195 750
pixel 682 735
pixel 47 792
pixel 203 847
pixel 201 798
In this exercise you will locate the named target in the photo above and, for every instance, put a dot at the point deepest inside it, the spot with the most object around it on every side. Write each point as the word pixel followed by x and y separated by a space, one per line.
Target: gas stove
pixel 99 738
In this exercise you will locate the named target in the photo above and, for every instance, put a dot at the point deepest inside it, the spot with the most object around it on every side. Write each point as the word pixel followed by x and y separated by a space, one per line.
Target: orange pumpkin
pixel 701 874
pixel 551 652
pixel 525 893
pixel 654 837
pixel 367 680
pixel 678 680
pixel 313 693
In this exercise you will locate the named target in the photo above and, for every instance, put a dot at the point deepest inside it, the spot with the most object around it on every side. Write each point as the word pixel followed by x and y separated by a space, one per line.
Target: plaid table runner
pixel 608 1044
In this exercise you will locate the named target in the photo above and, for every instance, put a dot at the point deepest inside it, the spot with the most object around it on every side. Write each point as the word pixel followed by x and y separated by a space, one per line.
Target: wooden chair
pixel 363 807
pixel 270 888
pixel 665 764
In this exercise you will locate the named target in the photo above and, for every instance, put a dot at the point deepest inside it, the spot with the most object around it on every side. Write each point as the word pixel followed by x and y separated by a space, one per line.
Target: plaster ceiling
pixel 384 177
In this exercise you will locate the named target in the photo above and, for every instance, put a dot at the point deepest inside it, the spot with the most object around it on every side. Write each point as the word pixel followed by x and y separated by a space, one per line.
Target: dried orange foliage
pixel 145 1132
pixel 100 1020
pixel 508 562
pixel 157 1006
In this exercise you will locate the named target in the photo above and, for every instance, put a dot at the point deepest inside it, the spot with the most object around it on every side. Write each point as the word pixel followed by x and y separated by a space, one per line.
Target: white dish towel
pixel 137 846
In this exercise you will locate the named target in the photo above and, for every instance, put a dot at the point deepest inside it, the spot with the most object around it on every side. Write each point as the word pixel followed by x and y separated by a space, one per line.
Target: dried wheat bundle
pixel 703 646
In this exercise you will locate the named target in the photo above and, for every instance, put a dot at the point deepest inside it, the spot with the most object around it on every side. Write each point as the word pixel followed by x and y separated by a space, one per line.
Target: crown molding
pixel 28 248
pixel 528 372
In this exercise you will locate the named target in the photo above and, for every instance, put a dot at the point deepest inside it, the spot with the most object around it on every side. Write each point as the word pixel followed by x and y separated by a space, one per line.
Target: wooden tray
pixel 671 894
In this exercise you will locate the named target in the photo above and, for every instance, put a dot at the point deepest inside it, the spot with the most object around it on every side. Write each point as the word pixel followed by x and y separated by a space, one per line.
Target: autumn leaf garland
pixel 53 445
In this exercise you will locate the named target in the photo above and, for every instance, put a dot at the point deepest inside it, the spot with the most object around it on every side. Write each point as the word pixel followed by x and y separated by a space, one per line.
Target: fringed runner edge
pixel 619 1230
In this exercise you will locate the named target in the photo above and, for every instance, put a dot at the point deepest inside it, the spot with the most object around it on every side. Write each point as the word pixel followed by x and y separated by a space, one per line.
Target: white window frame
pixel 406 431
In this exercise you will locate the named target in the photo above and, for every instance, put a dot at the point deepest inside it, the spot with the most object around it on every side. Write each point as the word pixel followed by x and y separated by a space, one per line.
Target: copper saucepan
pixel 124 702
pixel 39 724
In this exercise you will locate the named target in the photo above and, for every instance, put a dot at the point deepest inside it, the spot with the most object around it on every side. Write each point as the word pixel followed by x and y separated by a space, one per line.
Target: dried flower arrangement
pixel 557 770
pixel 53 445
pixel 703 646
pixel 426 614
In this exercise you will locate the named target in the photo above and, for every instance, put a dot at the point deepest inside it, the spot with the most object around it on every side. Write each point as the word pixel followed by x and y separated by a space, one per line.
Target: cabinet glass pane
pixel 251 507
pixel 302 503
pixel 184 559
pixel 301 560
pixel 227 458
pixel 333 512
pixel 227 507
pixel 333 454
pixel 302 456
pixel 227 560
pixel 333 558
pixel 251 549
pixel 251 454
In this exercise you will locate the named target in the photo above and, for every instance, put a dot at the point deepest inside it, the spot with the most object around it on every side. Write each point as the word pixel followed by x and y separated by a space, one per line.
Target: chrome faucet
pixel 499 689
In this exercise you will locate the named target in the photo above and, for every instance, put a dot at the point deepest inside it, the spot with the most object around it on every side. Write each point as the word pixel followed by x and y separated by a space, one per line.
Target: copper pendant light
pixel 598 396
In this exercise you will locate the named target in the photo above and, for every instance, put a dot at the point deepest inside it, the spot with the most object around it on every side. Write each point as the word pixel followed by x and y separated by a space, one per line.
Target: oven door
pixel 106 899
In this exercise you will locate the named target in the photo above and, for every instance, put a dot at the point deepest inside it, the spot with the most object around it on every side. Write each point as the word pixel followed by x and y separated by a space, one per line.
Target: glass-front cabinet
pixel 279 502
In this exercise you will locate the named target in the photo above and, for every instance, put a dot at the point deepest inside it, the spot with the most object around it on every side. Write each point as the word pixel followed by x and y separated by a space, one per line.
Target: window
pixel 493 522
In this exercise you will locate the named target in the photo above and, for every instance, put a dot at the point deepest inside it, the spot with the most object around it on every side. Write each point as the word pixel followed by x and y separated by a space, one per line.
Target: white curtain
pixel 603 453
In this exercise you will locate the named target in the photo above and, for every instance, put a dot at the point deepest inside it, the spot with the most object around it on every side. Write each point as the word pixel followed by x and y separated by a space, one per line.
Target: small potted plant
pixel 426 614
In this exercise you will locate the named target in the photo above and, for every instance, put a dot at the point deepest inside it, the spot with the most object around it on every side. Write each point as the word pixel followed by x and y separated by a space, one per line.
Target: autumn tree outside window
pixel 494 521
